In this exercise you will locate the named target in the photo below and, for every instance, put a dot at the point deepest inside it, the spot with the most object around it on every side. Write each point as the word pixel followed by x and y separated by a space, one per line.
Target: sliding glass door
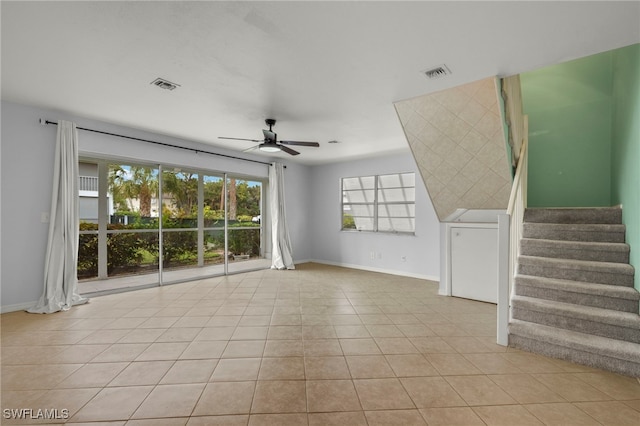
pixel 244 218
pixel 144 225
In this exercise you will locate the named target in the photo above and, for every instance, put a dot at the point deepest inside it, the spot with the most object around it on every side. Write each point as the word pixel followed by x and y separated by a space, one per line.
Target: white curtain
pixel 60 273
pixel 281 257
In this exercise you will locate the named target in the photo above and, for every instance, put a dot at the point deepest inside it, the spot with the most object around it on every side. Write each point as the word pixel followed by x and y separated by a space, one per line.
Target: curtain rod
pixel 197 151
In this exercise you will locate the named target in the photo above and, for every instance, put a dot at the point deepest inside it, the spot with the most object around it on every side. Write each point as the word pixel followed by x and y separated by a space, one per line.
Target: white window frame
pixel 377 203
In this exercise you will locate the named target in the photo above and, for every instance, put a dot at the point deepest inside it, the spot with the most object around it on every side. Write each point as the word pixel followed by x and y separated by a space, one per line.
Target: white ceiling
pixel 325 70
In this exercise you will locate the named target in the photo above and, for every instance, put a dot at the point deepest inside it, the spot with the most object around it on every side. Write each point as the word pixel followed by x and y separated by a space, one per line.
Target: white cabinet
pixel 469 255
pixel 474 263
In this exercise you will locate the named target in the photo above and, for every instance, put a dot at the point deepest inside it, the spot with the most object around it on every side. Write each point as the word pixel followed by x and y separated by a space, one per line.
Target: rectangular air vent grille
pixel 436 72
pixel 164 84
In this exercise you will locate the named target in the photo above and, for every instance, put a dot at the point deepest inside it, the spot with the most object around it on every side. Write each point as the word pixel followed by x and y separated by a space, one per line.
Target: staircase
pixel 574 297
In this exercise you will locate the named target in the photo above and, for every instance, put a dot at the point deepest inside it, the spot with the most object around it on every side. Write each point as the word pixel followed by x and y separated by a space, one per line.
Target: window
pixel 384 203
pixel 165 224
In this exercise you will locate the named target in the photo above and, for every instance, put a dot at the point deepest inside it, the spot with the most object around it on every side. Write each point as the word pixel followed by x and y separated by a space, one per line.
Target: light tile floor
pixel 319 345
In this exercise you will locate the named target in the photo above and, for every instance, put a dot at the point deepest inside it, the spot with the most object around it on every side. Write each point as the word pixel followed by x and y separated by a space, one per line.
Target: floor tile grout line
pixel 421 353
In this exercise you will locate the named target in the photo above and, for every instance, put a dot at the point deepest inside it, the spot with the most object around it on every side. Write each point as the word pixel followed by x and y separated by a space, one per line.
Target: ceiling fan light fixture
pixel 265 147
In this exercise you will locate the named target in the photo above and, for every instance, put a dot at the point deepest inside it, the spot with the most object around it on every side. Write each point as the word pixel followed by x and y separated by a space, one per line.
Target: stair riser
pixel 575 324
pixel 602 215
pixel 577 275
pixel 577 254
pixel 596 301
pixel 580 357
pixel 540 231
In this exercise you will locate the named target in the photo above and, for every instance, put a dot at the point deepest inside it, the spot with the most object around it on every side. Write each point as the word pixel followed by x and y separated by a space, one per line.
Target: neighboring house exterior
pixel 88 193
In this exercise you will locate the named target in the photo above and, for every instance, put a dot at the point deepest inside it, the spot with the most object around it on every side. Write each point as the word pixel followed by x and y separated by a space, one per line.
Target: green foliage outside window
pixel 348 222
pixel 134 192
pixel 135 251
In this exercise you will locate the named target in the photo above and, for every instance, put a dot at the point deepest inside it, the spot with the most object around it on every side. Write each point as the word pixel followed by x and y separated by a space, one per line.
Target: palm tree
pixel 233 201
pixel 184 190
pixel 133 182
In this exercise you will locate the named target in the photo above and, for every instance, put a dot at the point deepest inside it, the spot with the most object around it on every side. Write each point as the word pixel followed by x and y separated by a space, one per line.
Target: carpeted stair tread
pixel 610 215
pixel 577 270
pixel 589 313
pixel 611 233
pixel 604 296
pixel 574 295
pixel 595 351
pixel 584 319
pixel 574 339
pixel 584 265
pixel 579 250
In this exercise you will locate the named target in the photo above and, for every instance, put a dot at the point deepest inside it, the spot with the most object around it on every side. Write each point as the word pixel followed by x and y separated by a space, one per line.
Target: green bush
pixel 87 253
pixel 211 214
pixel 125 251
pixel 348 222
pixel 128 252
pixel 179 248
pixel 244 241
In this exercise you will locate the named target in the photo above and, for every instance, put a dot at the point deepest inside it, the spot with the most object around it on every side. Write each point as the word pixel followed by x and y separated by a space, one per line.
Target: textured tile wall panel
pixel 457 139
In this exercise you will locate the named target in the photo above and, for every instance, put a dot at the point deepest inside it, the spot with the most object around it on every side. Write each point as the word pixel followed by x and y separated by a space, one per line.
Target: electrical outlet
pixel 373 255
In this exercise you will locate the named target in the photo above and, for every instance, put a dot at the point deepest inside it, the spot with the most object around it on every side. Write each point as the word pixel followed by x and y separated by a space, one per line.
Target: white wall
pixel 26 170
pixel 27 167
pixel 331 245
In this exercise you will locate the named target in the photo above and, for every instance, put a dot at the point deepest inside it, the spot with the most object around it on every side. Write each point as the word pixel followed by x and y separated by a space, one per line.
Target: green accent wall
pixel 584 136
pixel 570 115
pixel 625 146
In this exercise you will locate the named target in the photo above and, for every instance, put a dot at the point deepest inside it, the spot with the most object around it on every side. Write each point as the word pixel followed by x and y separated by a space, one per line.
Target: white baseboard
pixel 381 270
pixel 17 307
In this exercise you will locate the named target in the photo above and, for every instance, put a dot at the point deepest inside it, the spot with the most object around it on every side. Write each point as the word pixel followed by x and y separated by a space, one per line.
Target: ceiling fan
pixel 270 142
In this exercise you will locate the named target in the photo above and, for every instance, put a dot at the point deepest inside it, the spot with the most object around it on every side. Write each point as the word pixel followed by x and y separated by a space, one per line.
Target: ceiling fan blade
pixel 269 136
pixel 315 144
pixel 239 139
pixel 288 150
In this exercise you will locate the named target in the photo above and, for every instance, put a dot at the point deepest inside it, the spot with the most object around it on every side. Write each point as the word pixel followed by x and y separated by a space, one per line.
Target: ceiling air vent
pixel 164 84
pixel 437 72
